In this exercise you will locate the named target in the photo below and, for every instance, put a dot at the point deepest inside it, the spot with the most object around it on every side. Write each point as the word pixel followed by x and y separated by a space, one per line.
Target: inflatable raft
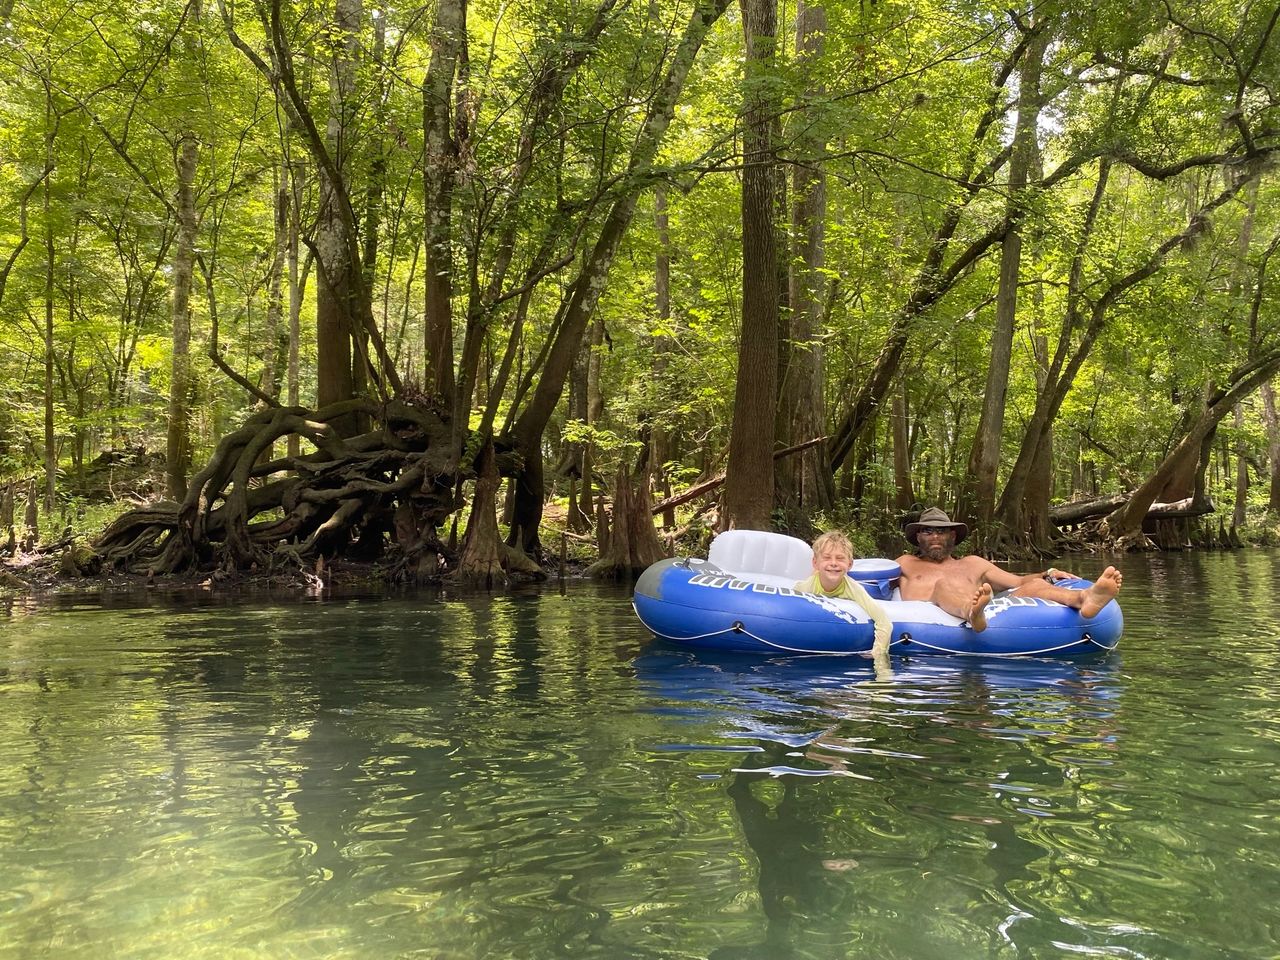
pixel 741 599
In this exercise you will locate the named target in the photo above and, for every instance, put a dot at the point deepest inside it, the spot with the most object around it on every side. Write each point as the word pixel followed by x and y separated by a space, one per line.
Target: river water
pixel 530 775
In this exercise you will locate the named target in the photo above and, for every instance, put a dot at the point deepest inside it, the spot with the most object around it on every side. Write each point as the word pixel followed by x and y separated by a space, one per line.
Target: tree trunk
pixel 661 448
pixel 31 517
pixel 482 551
pixel 274 337
pixel 1125 524
pixel 933 277
pixel 903 495
pixel 336 294
pixel 1071 354
pixel 297 285
pixel 374 192
pixel 634 544
pixel 178 448
pixel 1272 421
pixel 979 501
pixel 343 305
pixel 6 520
pixel 1242 472
pixel 552 76
pixel 50 447
pixel 440 160
pixel 804 482
pixel 1239 276
pixel 578 456
pixel 594 407
pixel 1040 530
pixel 531 423
pixel 748 486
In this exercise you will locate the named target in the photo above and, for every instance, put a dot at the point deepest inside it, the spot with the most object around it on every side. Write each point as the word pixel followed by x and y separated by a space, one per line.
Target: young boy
pixel 832 561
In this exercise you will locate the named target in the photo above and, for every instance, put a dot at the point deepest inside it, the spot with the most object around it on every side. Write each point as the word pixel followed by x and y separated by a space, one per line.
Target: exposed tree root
pixel 241 513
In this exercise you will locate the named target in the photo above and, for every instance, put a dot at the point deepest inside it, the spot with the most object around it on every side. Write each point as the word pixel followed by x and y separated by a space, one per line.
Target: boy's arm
pixel 884 626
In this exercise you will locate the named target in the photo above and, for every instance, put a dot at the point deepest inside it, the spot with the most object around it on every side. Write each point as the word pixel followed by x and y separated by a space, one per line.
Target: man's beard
pixel 935 551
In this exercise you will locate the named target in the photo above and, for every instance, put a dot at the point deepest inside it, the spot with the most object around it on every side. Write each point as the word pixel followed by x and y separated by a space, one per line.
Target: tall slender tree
pixel 804 481
pixel 979 501
pixel 748 485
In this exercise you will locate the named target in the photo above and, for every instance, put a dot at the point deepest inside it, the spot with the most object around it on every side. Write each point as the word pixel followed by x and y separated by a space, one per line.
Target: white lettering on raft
pixel 1000 604
pixel 721 582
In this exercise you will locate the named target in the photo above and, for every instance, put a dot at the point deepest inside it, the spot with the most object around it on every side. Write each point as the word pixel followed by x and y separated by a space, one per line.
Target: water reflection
pixel 529 776
pixel 840 774
pixel 773 697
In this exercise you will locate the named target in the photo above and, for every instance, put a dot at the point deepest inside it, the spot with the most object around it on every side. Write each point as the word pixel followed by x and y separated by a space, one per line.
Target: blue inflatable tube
pixel 694 602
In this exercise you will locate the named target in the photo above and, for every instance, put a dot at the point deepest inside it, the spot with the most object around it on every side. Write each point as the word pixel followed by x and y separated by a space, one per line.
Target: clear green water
pixel 528 777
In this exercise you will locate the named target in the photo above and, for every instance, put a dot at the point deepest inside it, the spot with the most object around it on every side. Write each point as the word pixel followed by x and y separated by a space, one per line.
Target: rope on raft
pixel 902 639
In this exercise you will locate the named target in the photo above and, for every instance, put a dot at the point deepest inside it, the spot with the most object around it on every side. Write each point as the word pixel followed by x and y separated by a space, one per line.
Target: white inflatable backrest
pixel 758 551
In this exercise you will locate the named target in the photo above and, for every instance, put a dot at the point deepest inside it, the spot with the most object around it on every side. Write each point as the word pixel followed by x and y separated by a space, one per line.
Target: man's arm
pixel 1001 579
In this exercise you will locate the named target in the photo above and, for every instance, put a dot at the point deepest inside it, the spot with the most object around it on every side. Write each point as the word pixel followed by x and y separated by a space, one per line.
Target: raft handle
pixel 905 638
pixel 737 626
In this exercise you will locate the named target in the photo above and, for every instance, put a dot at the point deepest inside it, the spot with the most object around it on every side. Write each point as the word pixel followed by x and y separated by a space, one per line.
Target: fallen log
pixel 1180 508
pixel 1067 514
pixel 706 486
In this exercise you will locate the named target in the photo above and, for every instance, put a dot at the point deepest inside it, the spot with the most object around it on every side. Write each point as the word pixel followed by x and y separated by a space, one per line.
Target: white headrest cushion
pixel 758 551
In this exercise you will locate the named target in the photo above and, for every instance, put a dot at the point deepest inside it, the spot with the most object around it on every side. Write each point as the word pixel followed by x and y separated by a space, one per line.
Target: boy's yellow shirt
pixel 850 589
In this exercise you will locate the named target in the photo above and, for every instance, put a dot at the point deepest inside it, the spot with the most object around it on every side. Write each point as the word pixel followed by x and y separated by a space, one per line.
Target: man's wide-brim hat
pixel 935 519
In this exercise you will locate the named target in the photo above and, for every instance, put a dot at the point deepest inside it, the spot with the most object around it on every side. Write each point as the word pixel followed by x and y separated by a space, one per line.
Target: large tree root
pixel 242 513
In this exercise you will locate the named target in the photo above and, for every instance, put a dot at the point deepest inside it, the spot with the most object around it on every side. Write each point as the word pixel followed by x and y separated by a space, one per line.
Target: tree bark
pixel 480 560
pixel 1040 530
pixel 274 338
pixel 7 530
pixel 1271 419
pixel 634 544
pixel 1242 471
pixel 336 295
pixel 439 163
pixel 748 486
pixel 661 446
pixel 978 503
pixel 178 448
pixel 50 448
pixel 577 456
pixel 297 287
pixel 804 483
pixel 31 516
pixel 903 495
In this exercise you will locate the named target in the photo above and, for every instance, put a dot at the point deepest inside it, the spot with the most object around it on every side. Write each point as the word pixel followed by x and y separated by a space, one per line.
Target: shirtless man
pixel 963 586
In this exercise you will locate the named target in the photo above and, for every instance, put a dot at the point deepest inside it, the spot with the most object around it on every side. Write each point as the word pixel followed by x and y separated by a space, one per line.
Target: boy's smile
pixel 832 567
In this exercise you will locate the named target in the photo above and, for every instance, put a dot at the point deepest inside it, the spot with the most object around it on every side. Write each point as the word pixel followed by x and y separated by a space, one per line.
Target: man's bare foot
pixel 1103 591
pixel 977 609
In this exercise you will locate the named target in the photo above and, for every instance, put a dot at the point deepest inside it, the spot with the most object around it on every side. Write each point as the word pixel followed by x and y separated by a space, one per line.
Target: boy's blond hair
pixel 832 540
